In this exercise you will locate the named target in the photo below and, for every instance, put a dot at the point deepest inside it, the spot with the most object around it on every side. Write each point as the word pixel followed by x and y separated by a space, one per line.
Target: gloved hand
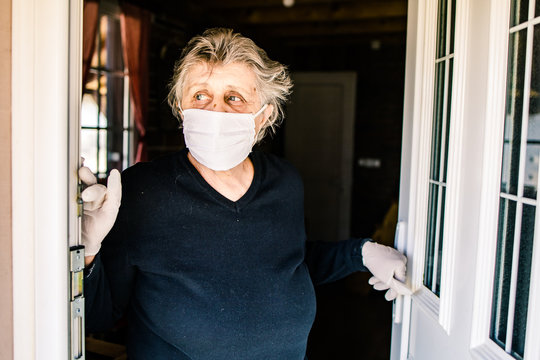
pixel 100 208
pixel 389 268
pixel 395 288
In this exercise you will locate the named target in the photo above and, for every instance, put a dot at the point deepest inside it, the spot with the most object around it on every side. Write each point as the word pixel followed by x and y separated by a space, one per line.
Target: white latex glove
pixel 100 208
pixel 395 288
pixel 389 268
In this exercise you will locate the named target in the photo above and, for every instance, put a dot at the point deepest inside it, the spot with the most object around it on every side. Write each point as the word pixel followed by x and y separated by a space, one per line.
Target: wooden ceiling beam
pixel 318 13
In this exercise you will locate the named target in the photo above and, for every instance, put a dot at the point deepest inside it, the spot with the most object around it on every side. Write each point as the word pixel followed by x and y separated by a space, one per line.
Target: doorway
pixel 367 40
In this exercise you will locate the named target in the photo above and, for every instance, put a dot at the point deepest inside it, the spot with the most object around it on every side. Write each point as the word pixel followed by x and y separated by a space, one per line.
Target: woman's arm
pixel 331 261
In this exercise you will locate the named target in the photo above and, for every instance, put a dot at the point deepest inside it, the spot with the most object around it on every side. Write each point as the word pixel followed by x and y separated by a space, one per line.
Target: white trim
pixel 488 222
pixel 532 346
pixel 422 130
pixel 400 331
pixel 490 351
pixel 22 81
pixel 39 158
pixel 482 346
pixel 455 163
pixel 74 106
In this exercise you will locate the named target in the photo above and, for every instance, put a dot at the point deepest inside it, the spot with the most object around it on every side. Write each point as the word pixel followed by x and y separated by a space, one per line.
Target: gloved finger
pixel 400 287
pixel 401 273
pixel 114 188
pixel 390 295
pixel 381 286
pixel 93 196
pixel 86 176
pixel 373 280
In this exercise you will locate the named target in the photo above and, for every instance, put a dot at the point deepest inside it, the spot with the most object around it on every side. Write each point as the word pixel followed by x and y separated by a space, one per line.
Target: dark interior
pixel 367 37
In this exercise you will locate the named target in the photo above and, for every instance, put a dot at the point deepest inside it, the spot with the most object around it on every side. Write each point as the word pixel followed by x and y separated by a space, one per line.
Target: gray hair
pixel 219 46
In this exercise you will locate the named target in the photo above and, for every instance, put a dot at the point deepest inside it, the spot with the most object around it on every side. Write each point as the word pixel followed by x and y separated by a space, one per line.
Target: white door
pixel 44 164
pixel 468 219
pixel 319 133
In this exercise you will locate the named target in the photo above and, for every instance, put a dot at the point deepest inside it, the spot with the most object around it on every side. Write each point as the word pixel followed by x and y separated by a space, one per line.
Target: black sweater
pixel 205 278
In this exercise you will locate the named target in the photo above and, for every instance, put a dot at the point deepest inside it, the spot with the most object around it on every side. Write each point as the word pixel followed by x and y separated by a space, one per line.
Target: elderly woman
pixel 206 254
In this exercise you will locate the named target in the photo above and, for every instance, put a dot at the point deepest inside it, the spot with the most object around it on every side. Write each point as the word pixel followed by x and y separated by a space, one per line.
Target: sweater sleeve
pixel 331 261
pixel 109 280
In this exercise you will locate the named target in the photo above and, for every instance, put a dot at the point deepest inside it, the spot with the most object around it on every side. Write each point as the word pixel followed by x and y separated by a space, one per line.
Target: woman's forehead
pixel 233 75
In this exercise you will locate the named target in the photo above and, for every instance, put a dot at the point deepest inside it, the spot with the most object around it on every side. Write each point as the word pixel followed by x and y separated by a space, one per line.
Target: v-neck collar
pixel 237 205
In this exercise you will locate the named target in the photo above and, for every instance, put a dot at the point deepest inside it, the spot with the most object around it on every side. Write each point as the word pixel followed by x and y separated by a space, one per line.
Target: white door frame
pixel 478 111
pixel 40 77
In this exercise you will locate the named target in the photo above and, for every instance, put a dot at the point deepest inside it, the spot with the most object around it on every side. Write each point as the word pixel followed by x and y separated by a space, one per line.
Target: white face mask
pixel 219 140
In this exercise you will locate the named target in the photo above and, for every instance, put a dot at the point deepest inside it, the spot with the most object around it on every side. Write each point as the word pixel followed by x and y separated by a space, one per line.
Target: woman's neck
pixel 232 183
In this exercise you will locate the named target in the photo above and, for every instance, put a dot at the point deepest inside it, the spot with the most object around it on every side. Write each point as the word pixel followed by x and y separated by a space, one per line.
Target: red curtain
pixel 135 24
pixel 90 25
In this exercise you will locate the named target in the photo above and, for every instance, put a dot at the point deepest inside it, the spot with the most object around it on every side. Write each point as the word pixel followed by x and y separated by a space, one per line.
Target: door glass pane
pixel 533 133
pixel 115 59
pixel 431 235
pixel 440 245
pixel 523 279
pixel 519 12
pixel 448 113
pixel 503 270
pixel 89 110
pixel 440 140
pixel 89 148
pixel 103 88
pixel 452 25
pixel 438 108
pixel 514 112
pixel 102 155
pixel 441 28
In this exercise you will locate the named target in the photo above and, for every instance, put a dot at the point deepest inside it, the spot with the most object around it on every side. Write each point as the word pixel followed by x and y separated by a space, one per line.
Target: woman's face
pixel 225 88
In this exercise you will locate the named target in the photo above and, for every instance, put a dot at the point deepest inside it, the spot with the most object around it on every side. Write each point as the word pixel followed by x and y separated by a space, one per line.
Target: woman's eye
pixel 200 97
pixel 235 98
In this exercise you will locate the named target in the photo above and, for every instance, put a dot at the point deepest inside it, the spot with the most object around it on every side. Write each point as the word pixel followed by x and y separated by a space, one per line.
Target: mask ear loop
pixel 260 111
pixel 254 117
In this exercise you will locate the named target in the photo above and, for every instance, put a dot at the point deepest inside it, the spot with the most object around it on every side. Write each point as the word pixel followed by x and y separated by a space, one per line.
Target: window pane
pixel 514 112
pixel 441 28
pixel 114 60
pixel 89 148
pixel 103 102
pixel 531 162
pixel 448 113
pixel 89 111
pixel 452 25
pixel 115 99
pixel 440 245
pixel 503 270
pixel 102 42
pixel 523 280
pixel 102 159
pixel 537 7
pixel 519 12
pixel 533 133
pixel 436 135
pixel 534 105
pixel 431 235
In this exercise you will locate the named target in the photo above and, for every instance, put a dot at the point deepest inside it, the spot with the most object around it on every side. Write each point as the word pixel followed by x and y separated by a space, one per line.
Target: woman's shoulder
pixel 277 167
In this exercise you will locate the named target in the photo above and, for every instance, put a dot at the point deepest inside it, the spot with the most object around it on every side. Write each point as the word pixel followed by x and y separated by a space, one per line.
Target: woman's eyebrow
pixel 239 89
pixel 195 85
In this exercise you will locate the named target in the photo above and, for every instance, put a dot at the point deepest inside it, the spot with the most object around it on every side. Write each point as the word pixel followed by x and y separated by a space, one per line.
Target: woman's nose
pixel 220 106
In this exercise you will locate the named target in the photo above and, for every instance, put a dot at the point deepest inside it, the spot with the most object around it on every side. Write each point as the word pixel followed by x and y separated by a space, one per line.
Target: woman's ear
pixel 267 113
